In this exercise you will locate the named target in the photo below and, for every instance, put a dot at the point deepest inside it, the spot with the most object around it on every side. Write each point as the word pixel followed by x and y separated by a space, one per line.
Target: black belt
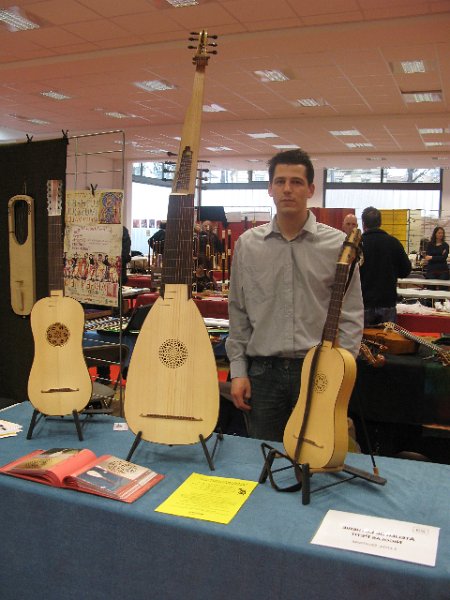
pixel 277 361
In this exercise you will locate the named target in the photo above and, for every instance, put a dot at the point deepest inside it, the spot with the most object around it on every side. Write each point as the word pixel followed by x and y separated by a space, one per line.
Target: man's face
pixel 349 224
pixel 290 189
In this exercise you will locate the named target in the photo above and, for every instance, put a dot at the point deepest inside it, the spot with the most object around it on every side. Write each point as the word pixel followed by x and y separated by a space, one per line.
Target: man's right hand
pixel 241 392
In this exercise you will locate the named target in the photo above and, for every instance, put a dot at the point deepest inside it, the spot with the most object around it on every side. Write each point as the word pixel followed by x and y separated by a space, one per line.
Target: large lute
pixel 59 381
pixel 317 430
pixel 172 393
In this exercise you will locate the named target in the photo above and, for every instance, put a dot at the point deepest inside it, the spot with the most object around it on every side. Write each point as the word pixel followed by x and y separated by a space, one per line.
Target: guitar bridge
pixel 173 417
pixel 55 390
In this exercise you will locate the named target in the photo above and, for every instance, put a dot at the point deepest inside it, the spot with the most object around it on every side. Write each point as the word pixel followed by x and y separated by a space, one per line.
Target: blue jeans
pixel 275 389
pixel 380 314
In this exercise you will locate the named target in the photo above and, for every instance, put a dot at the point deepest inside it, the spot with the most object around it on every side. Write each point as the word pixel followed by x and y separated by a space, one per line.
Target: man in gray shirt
pixel 280 289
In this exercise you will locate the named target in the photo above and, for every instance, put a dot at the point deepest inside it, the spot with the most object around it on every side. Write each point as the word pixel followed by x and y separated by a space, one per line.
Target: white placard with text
pixel 399 540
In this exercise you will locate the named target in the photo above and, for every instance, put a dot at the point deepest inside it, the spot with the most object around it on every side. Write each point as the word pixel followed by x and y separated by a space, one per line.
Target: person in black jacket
pixel 436 256
pixel 385 260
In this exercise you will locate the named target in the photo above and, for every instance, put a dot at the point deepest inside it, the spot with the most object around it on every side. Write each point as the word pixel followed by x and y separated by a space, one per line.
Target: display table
pixel 439 323
pixel 139 281
pixel 65 544
pixel 397 399
pixel 211 307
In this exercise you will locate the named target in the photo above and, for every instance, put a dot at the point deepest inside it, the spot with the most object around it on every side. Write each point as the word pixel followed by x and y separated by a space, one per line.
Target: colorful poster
pixel 93 246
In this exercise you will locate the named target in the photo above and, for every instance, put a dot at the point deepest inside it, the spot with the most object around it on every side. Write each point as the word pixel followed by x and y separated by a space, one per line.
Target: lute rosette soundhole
pixel 57 334
pixel 173 353
pixel 320 383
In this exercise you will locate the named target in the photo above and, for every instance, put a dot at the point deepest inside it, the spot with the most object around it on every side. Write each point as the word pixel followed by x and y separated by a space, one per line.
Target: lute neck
pixel 178 243
pixel 330 329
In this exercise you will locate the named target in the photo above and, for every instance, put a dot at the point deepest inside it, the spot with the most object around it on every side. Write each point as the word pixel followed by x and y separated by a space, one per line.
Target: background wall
pixel 24 168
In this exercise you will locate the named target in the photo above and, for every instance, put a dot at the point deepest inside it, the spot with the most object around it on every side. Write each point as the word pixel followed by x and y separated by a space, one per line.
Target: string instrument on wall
pixel 59 381
pixel 442 354
pixel 317 430
pixel 172 394
pixel 22 272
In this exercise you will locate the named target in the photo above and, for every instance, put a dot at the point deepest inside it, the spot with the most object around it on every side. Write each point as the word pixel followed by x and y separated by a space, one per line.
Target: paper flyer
pixel 208 498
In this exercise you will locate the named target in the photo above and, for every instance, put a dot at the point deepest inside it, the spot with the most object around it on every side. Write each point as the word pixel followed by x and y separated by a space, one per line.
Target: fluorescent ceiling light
pixel 437 143
pixel 360 145
pixel 15 21
pixel 413 97
pixel 253 160
pixel 218 148
pixel 38 122
pixel 213 108
pixel 311 102
pixel 154 85
pixel 431 131
pixel 119 115
pixel 346 132
pixel 55 95
pixel 269 75
pixel 180 3
pixel 30 120
pixel 409 67
pixel 286 146
pixel 261 136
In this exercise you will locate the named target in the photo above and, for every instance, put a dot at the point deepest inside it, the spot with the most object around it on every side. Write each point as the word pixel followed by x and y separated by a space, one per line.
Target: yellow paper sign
pixel 208 498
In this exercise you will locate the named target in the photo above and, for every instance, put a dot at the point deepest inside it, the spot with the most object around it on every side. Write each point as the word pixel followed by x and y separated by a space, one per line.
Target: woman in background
pixel 436 256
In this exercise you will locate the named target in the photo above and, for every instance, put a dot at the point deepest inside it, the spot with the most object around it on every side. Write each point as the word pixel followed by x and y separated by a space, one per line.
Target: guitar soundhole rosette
pixel 320 383
pixel 57 334
pixel 173 353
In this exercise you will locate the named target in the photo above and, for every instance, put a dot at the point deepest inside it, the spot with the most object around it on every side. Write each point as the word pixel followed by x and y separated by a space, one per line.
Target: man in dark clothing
pixel 156 242
pixel 385 260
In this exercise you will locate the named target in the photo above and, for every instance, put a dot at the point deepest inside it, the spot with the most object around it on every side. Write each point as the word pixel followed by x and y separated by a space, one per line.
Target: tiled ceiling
pixel 342 53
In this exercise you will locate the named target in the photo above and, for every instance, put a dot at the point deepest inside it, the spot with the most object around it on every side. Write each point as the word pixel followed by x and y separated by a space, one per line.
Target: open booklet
pixel 80 469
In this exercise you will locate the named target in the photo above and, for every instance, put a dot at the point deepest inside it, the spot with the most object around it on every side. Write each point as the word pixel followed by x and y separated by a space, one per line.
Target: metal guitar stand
pixel 209 456
pixel 37 415
pixel 303 474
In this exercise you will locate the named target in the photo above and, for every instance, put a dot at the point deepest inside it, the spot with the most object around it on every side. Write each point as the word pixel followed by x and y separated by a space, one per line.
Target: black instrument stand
pixel 209 456
pixel 303 474
pixel 37 415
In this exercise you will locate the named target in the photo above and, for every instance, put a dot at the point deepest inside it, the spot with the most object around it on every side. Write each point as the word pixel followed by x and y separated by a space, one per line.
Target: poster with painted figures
pixel 93 246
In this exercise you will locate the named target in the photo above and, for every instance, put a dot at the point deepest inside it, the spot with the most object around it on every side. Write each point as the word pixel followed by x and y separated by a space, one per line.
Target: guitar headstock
pixel 351 249
pixel 202 49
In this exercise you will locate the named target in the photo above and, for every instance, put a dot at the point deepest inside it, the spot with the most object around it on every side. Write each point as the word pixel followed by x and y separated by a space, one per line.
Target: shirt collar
pixel 310 226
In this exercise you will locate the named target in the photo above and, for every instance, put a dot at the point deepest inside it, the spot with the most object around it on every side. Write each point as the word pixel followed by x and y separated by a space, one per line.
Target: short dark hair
pixel 292 157
pixel 371 217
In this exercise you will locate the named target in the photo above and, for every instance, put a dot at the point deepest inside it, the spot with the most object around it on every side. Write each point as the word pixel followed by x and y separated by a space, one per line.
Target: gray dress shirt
pixel 280 292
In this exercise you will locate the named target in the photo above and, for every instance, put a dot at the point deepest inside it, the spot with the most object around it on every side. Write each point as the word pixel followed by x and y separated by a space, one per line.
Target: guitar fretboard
pixel 334 309
pixel 55 236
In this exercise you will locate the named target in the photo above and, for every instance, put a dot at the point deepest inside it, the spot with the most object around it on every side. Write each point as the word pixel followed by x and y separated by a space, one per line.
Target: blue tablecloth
pixel 59 543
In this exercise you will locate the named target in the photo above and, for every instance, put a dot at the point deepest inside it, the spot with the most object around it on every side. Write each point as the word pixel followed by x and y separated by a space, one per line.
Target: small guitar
pixel 442 355
pixel 172 393
pixel 317 431
pixel 59 380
